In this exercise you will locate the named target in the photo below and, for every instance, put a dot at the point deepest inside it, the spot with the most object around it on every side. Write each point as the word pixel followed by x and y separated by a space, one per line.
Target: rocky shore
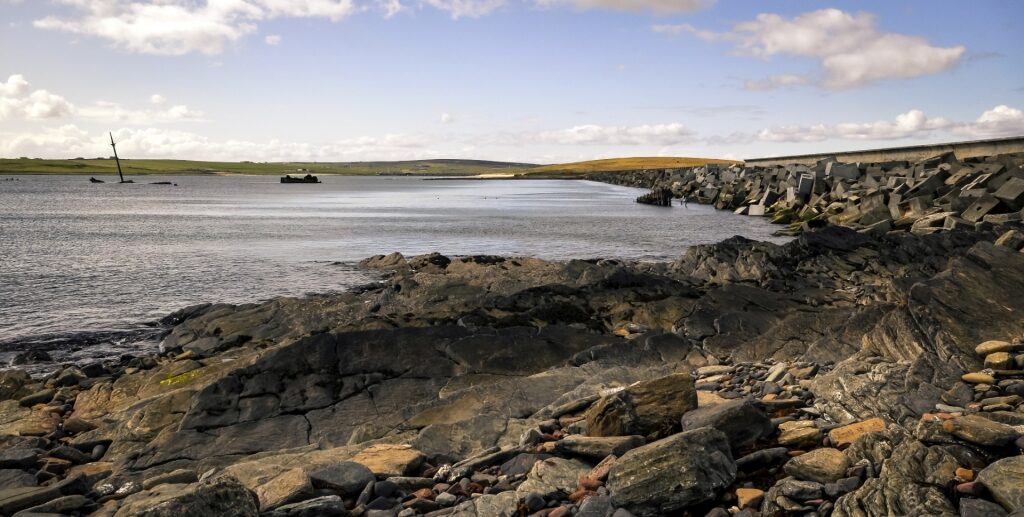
pixel 940 193
pixel 849 372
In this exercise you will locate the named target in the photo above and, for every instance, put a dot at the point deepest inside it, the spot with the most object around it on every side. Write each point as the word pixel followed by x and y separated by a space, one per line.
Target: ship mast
pixel 116 159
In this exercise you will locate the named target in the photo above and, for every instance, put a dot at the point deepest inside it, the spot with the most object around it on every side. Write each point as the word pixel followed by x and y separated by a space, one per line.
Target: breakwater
pixel 934 194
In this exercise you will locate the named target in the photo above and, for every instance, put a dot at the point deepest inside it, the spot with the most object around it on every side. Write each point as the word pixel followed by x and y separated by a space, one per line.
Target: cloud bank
pixel 850 49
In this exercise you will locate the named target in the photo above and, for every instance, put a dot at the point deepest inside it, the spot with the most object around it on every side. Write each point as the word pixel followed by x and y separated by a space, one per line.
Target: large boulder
pixel 223 496
pixel 741 420
pixel 649 408
pixel 673 473
pixel 1005 480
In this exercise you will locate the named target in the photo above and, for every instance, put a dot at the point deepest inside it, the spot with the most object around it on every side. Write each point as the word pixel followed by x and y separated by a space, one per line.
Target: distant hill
pixel 624 164
pixel 103 166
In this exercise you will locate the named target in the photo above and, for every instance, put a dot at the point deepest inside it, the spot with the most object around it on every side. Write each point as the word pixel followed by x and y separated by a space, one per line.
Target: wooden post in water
pixel 116 159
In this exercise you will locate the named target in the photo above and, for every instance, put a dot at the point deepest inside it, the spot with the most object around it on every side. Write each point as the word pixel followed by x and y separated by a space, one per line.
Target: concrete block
pixel 769 198
pixel 980 208
pixel 956 223
pixel 925 187
pixel 1003 218
pixel 1012 193
pixel 805 184
pixel 875 215
pixel 755 210
pixel 872 201
pixel 848 171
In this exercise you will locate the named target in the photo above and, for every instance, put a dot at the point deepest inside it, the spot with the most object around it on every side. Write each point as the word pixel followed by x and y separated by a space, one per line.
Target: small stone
pixel 991 347
pixel 749 497
pixel 978 378
pixel 970 488
pixel 965 474
pixel 534 501
pixel 799 433
pixel 446 499
pixel 999 361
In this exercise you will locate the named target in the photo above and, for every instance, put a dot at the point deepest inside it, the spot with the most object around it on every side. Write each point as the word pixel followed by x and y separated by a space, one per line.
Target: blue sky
pixel 522 80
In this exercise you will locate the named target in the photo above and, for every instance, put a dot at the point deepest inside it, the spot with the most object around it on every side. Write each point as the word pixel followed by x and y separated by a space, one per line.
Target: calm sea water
pixel 84 266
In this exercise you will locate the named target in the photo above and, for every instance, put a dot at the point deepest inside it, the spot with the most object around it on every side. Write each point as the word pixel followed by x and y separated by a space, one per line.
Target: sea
pixel 87 270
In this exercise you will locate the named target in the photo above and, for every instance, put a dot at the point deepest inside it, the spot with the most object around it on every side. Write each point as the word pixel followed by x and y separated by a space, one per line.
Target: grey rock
pixel 741 421
pixel 221 496
pixel 14 478
pixel 1005 480
pixel 597 448
pixel 180 476
pixel 18 459
pixel 970 507
pixel 347 477
pixel 684 469
pixel 600 506
pixel 325 506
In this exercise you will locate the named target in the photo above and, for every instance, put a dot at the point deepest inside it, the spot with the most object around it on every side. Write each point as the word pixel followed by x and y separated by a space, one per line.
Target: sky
pixel 538 81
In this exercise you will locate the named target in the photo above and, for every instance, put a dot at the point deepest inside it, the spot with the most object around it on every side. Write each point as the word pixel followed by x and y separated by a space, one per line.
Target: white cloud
pixel 446 118
pixel 999 121
pixel 272 40
pixel 16 102
pixel 391 7
pixel 113 112
pixel 466 8
pixel 774 82
pixel 175 27
pixel 658 6
pixel 658 134
pixel 849 48
pixel 70 141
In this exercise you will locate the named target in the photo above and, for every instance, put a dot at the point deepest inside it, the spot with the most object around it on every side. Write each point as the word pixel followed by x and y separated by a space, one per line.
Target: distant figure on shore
pixel 686 201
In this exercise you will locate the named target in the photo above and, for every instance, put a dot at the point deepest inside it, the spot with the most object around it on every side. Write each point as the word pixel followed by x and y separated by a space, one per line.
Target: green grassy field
pixel 100 167
pixel 624 164
pixel 107 167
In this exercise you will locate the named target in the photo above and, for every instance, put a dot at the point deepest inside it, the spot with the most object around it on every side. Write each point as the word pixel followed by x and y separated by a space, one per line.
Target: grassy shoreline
pixel 440 167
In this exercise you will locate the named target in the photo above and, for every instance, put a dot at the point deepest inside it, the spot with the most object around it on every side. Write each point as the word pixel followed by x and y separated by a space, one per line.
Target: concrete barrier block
pixel 980 208
pixel 1012 193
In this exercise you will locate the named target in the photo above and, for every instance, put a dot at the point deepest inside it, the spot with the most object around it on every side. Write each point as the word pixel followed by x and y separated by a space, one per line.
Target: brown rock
pixel 978 378
pixel 981 431
pixel 749 497
pixel 847 434
pixel 390 460
pixel 999 361
pixel 799 433
pixel 991 347
pixel 824 465
pixel 965 474
pixel 649 408
pixel 287 487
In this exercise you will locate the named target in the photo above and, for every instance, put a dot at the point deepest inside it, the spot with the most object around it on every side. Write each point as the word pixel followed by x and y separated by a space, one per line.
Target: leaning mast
pixel 116 159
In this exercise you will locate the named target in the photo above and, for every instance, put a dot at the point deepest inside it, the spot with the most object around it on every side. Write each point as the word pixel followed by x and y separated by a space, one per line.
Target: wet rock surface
pixel 847 372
